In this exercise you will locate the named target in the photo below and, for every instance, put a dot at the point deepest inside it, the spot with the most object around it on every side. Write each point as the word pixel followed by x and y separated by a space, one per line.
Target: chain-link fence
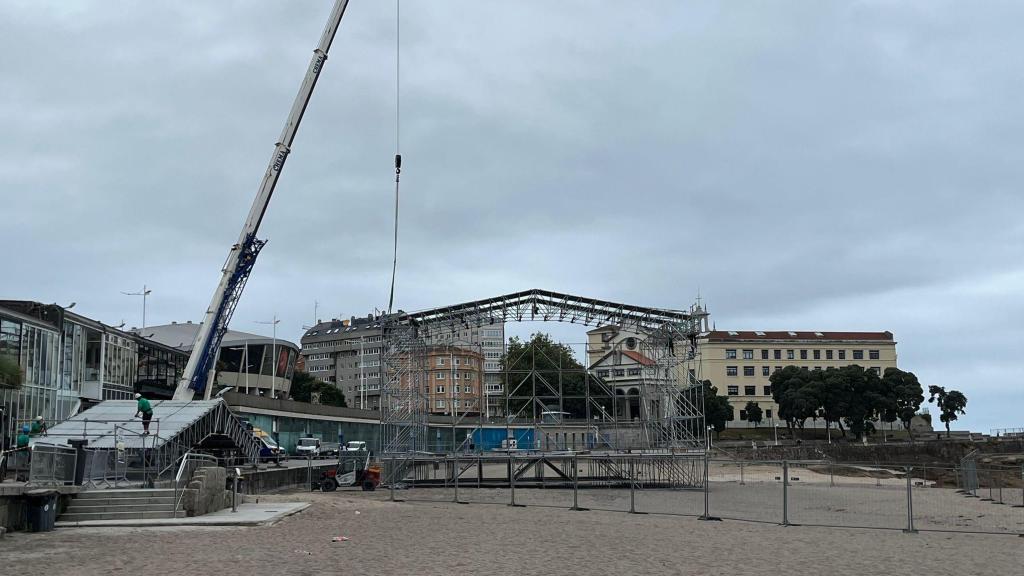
pixel 810 493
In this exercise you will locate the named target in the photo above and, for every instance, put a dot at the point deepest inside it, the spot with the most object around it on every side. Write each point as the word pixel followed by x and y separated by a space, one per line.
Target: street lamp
pixel 145 292
pixel 273 353
pixel 776 427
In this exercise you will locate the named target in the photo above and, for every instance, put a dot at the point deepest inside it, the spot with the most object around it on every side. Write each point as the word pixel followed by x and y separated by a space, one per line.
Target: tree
pixel 834 395
pixel 907 395
pixel 304 386
pixel 546 372
pixel 793 390
pixel 949 403
pixel 717 410
pixel 753 413
pixel 866 399
pixel 10 373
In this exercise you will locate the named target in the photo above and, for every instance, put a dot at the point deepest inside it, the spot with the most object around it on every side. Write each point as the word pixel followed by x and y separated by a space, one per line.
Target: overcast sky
pixel 804 165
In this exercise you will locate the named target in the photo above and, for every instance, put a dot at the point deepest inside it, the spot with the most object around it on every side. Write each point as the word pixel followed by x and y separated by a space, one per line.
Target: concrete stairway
pixel 138 504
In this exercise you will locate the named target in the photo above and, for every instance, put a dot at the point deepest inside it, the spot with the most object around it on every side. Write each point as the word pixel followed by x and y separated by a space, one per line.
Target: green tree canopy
pixel 540 374
pixel 717 410
pixel 304 386
pixel 754 413
pixel 950 404
pixel 10 372
pixel 907 395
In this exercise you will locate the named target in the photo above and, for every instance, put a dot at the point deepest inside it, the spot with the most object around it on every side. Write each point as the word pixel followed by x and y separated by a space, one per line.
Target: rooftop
pixel 731 335
pixel 181 336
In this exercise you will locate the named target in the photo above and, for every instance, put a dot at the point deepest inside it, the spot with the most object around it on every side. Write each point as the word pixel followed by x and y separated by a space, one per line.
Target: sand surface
pixel 442 538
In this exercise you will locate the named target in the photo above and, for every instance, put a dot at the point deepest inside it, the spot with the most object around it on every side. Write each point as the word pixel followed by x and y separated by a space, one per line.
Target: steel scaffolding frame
pixel 671 400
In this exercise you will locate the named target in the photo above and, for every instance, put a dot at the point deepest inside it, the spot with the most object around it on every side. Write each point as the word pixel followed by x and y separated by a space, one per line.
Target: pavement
pixel 249 514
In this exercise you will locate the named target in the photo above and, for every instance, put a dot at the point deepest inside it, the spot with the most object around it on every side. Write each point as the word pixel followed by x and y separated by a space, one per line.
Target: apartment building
pixel 452 380
pixel 740 363
pixel 350 354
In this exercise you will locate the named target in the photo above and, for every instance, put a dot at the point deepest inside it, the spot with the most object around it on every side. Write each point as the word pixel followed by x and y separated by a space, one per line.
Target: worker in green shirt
pixel 23 437
pixel 145 410
pixel 38 426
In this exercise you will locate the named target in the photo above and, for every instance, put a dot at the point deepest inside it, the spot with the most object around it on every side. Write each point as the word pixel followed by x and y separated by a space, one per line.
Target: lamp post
pixel 776 427
pixel 273 353
pixel 145 293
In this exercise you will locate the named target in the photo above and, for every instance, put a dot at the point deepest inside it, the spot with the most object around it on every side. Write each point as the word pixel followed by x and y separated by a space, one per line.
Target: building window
pixel 455 375
pixel 440 361
pixel 734 390
pixel 873 354
pixel 777 368
pixel 765 371
pixel 803 354
pixel 828 354
pixel 743 415
pixel 790 355
pixel 619 372
pixel 764 354
pixel 731 371
pixel 634 372
pixel 439 389
pixel 730 354
pixel 876 370
pixel 440 375
pixel 439 404
pixel 817 354
pixel 768 392
pixel 748 354
pixel 778 354
pixel 768 414
pixel 748 370
pixel 602 373
pixel 749 390
pixel 817 367
pixel 858 354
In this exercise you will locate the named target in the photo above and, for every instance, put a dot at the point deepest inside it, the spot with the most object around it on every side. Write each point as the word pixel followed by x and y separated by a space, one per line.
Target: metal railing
pixel 190 462
pixel 52 465
pixel 907 497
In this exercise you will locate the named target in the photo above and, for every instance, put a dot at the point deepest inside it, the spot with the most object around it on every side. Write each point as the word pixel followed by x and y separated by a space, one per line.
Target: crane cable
pixel 398 155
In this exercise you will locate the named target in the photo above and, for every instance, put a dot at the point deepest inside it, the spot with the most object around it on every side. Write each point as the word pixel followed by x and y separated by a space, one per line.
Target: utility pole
pixel 145 293
pixel 273 353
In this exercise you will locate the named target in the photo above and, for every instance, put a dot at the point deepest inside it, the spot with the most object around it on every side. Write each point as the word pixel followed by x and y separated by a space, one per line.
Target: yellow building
pixel 739 363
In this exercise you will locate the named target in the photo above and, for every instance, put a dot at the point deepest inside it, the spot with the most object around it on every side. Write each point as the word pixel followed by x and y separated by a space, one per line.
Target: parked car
pixel 355 446
pixel 329 449
pixel 308 448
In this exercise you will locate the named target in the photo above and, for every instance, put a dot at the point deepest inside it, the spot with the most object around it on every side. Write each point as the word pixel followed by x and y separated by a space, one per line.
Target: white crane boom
pixel 199 371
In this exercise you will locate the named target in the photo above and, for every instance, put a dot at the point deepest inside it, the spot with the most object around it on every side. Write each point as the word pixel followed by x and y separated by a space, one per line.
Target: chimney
pixel 369 317
pixel 352 320
pixel 174 321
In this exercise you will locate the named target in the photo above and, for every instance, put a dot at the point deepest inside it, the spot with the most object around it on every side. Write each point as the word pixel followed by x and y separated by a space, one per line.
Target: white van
pixel 308 448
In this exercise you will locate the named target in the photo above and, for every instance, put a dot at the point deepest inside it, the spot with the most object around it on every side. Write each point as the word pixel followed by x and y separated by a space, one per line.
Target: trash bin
pixel 42 510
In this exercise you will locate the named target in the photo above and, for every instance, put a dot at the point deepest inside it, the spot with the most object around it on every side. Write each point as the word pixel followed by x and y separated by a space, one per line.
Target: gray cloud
pixel 806 165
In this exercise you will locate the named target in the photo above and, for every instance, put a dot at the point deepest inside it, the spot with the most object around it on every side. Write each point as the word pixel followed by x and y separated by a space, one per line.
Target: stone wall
pixel 937 453
pixel 206 493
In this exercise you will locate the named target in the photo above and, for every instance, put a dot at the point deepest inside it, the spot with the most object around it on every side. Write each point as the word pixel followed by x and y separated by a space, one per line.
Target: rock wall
pixel 206 493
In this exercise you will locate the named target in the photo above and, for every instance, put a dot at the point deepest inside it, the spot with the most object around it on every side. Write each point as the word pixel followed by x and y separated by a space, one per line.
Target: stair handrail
pixel 195 459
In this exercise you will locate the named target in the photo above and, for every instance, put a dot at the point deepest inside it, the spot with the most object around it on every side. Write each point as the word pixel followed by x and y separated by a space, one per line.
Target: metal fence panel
pixel 746 490
pixel 52 465
pixel 862 496
pixel 990 506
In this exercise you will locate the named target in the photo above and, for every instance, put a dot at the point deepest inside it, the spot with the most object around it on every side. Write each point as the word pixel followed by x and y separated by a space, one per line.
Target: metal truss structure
pixel 178 427
pixel 670 411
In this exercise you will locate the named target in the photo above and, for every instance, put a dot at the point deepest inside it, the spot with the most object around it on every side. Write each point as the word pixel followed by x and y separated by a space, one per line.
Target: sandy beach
pixel 436 538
